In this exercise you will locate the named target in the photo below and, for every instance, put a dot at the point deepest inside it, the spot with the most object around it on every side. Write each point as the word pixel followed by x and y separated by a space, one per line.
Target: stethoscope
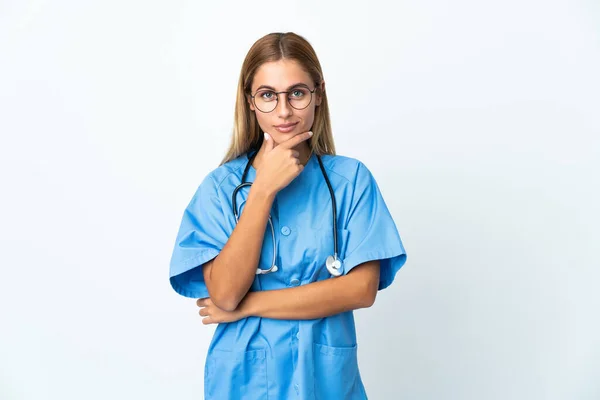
pixel 333 263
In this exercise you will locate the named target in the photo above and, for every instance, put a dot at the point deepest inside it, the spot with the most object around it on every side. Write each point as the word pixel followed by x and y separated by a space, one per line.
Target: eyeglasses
pixel 299 97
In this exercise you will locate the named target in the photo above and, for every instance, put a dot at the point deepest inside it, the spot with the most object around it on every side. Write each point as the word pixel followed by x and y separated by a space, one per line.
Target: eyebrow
pixel 288 88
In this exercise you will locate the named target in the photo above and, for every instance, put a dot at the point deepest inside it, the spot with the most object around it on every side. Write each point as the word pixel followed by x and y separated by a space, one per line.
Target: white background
pixel 480 121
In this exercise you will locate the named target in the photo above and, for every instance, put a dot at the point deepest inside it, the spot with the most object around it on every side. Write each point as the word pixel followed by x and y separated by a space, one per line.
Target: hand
pixel 214 315
pixel 280 164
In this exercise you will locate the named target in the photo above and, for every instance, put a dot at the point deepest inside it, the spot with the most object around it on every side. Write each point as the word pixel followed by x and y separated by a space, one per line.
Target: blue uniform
pixel 262 358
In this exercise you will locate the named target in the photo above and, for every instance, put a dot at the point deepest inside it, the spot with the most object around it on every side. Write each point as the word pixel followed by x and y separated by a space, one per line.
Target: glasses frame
pixel 287 98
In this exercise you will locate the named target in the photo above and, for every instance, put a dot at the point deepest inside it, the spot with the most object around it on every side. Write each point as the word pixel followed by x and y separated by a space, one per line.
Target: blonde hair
pixel 274 47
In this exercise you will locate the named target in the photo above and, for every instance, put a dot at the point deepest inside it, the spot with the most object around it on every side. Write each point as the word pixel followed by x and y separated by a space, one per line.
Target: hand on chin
pixel 279 137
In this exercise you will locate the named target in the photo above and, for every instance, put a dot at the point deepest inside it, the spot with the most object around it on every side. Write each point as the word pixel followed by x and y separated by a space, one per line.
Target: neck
pixel 303 148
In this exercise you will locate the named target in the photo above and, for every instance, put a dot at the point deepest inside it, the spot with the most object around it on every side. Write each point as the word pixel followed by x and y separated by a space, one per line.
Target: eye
pixel 266 95
pixel 298 93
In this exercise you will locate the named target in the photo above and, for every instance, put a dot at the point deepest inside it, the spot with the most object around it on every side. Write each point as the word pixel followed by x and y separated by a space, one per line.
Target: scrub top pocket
pixel 232 375
pixel 336 373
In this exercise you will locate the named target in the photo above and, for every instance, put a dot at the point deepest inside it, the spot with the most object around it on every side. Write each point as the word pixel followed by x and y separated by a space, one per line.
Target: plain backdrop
pixel 480 121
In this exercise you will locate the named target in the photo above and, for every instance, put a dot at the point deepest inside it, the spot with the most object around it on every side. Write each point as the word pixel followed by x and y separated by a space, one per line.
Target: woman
pixel 285 329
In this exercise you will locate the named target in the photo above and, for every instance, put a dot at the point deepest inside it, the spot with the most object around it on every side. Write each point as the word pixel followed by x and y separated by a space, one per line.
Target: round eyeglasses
pixel 299 97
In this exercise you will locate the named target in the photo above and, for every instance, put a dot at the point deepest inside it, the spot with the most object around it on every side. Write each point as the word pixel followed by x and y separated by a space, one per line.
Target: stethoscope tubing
pixel 333 208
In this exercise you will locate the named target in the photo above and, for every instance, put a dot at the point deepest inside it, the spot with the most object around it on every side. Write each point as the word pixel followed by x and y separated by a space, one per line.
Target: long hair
pixel 274 47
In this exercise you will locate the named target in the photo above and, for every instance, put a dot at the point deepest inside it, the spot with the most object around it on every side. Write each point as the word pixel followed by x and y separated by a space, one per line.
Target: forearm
pixel 229 275
pixel 318 299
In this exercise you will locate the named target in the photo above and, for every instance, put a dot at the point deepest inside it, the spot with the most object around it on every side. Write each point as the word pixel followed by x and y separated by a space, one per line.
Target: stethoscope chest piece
pixel 260 271
pixel 334 265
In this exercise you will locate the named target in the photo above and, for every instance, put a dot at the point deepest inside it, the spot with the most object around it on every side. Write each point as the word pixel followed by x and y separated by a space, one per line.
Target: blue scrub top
pixel 262 358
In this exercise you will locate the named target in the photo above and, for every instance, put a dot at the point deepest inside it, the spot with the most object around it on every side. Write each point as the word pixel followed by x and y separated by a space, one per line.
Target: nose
pixel 283 108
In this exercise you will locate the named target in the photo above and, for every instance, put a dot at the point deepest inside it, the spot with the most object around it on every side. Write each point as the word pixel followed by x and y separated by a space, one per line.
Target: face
pixel 283 75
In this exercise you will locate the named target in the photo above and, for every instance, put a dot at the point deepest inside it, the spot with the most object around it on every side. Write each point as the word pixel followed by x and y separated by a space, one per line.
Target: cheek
pixel 308 118
pixel 263 120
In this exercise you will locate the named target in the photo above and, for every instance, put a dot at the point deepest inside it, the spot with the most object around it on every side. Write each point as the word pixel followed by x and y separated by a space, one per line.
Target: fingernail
pixel 266 136
pixel 310 133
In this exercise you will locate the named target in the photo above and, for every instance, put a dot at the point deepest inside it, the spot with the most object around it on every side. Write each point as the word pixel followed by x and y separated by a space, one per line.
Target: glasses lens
pixel 265 100
pixel 299 97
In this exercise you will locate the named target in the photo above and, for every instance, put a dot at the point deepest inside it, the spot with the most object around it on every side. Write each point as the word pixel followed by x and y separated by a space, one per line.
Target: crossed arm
pixel 230 274
pixel 355 290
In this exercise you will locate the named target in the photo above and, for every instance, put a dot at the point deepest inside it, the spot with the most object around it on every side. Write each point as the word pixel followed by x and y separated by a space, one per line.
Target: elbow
pixel 369 294
pixel 229 307
pixel 222 297
pixel 226 302
pixel 368 299
pixel 366 278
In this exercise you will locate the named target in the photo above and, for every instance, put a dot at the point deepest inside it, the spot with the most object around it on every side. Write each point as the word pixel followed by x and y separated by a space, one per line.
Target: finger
pixel 206 320
pixel 296 153
pixel 203 312
pixel 268 143
pixel 296 140
pixel 201 302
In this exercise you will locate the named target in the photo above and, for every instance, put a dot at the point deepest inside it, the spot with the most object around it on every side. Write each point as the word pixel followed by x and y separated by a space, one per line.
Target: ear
pixel 250 102
pixel 321 91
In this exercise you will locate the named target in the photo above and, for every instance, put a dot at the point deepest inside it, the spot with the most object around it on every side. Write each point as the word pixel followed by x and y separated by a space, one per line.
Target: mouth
pixel 284 128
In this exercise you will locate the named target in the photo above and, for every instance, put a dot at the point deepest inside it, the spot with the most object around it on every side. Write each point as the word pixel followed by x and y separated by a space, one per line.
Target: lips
pixel 286 128
pixel 285 125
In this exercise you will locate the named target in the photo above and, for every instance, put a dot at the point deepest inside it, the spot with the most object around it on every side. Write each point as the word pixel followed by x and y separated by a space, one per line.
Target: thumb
pixel 268 143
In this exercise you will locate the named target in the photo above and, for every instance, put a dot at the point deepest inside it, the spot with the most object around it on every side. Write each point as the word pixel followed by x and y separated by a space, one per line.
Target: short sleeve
pixel 201 236
pixel 372 231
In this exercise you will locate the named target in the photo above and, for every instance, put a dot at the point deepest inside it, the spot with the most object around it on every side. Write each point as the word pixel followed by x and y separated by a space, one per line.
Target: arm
pixel 357 289
pixel 230 274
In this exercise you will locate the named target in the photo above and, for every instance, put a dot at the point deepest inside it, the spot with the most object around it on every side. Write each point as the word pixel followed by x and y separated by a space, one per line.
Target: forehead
pixel 280 74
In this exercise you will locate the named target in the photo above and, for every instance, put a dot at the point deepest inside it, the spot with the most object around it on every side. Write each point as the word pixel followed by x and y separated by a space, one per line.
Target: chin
pixel 279 137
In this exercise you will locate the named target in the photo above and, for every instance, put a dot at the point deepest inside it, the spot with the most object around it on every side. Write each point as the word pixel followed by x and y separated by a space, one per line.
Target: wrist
pixel 261 192
pixel 245 308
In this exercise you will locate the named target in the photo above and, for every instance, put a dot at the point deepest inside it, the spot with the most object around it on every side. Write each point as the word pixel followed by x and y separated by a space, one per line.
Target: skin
pixel 280 159
pixel 355 290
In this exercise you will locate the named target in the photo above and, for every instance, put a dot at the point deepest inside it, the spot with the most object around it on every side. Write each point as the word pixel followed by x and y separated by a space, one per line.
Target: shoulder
pixel 228 171
pixel 216 183
pixel 348 168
